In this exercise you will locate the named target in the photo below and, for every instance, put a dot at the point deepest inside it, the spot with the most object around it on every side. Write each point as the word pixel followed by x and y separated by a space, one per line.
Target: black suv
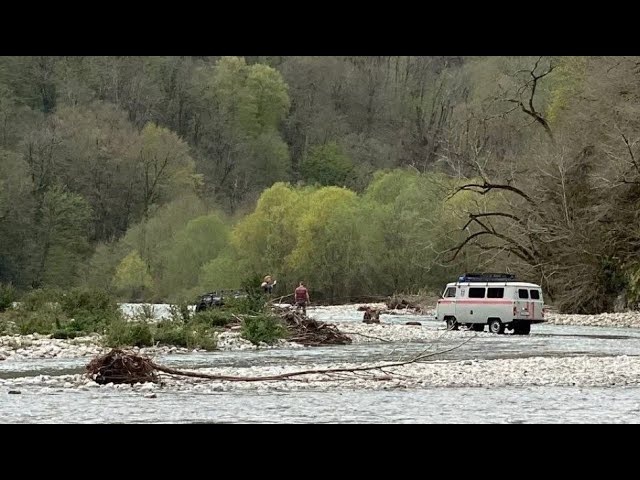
pixel 215 299
pixel 209 300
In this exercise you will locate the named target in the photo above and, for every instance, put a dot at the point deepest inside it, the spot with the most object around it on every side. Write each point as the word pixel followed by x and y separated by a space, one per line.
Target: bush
pixel 170 333
pixel 7 325
pixel 180 312
pixel 95 303
pixel 263 328
pixel 7 296
pixel 44 299
pixel 192 335
pixel 129 334
pixel 202 338
pixel 255 300
pixel 42 322
pixel 213 317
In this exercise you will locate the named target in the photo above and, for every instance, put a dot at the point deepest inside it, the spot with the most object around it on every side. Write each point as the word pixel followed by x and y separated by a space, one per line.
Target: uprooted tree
pixel 120 366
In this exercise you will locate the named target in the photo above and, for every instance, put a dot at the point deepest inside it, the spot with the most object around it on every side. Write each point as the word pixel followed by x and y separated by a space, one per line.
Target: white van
pixel 494 299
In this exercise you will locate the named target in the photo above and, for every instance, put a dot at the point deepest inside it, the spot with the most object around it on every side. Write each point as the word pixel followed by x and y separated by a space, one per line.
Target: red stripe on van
pixel 484 302
pixel 490 302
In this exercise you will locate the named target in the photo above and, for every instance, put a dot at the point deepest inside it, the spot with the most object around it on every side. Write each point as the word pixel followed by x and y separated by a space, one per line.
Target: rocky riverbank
pixel 622 320
pixel 20 347
pixel 534 371
pixel 42 346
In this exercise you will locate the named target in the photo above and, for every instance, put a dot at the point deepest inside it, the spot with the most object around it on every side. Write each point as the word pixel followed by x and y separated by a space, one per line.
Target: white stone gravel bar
pixel 622 320
pixel 578 371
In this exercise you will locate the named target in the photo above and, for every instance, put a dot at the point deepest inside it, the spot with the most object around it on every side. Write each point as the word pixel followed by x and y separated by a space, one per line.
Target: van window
pixel 476 292
pixel 535 294
pixel 450 293
pixel 522 293
pixel 495 293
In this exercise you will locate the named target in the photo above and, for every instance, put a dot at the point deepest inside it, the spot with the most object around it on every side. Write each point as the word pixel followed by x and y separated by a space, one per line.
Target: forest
pixel 160 178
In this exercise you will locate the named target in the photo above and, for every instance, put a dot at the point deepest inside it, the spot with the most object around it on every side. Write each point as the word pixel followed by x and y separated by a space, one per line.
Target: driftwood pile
pixel 310 332
pixel 398 303
pixel 119 366
pixel 116 367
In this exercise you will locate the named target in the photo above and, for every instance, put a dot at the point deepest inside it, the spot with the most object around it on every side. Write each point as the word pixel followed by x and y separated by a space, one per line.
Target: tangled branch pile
pixel 397 303
pixel 127 375
pixel 310 332
pixel 119 366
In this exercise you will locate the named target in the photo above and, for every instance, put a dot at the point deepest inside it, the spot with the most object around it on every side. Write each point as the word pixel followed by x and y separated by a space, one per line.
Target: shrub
pixel 170 333
pixel 180 312
pixel 42 322
pixel 89 302
pixel 7 296
pixel 44 299
pixel 263 328
pixel 213 317
pixel 128 334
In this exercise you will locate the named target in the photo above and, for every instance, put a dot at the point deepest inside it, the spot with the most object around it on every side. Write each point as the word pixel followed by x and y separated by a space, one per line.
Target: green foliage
pixel 263 328
pixel 43 323
pixel 213 317
pixel 85 302
pixel 60 237
pixel 165 168
pixel 74 312
pixel 180 312
pixel 221 273
pixel 171 333
pixel 568 75
pixel 327 165
pixel 45 299
pixel 122 333
pixel 8 295
pixel 254 301
pixel 132 275
pixel 196 334
pixel 201 240
pixel 142 173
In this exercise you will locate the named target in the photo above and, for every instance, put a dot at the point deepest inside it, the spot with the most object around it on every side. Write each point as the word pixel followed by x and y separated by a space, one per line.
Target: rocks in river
pixel 413 323
pixel 14 392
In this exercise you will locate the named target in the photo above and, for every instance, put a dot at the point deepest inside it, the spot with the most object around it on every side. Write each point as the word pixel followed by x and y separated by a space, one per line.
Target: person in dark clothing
pixel 267 284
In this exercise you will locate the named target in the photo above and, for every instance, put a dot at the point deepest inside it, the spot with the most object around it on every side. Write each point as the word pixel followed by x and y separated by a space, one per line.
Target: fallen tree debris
pixel 120 366
pixel 310 332
pixel 115 367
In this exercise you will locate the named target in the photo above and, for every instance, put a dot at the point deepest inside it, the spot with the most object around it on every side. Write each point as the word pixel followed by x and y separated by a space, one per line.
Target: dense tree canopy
pixel 160 177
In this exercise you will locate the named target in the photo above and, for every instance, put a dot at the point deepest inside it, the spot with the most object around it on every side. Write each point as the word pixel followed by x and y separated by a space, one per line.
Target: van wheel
pixel 452 324
pixel 522 329
pixel 477 327
pixel 496 326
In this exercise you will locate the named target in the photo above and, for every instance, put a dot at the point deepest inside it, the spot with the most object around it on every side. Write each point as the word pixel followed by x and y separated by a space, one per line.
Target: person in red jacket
pixel 301 298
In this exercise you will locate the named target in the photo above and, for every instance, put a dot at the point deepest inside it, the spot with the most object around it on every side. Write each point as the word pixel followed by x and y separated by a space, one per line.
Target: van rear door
pixel 536 304
pixel 523 304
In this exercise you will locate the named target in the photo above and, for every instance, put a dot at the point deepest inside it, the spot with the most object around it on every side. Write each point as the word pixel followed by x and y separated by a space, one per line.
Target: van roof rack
pixel 487 277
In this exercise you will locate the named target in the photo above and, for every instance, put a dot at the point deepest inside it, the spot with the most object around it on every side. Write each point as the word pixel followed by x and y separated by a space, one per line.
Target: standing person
pixel 267 284
pixel 302 298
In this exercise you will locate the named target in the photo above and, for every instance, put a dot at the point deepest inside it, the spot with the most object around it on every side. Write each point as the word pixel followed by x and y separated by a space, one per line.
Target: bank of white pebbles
pixel 534 371
pixel 581 371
